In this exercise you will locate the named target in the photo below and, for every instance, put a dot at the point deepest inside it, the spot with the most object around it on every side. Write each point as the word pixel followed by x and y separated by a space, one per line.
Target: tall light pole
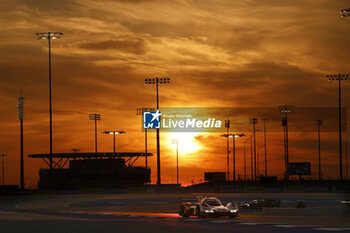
pixel 157 81
pixel 339 78
pixel 346 159
pixel 114 133
pixel 234 136
pixel 49 36
pixel 176 142
pixel 95 117
pixel 227 126
pixel 140 111
pixel 265 120
pixel 3 167
pixel 251 158
pixel 285 109
pixel 318 123
pixel 245 165
pixel 345 13
pixel 258 160
pixel 20 116
pixel 254 121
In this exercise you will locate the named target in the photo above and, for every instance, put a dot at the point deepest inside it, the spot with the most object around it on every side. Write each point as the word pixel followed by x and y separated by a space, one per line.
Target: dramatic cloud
pixel 136 46
pixel 251 53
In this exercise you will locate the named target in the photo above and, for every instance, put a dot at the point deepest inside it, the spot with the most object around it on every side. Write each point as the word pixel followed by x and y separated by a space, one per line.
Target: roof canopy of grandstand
pixel 130 157
pixel 82 155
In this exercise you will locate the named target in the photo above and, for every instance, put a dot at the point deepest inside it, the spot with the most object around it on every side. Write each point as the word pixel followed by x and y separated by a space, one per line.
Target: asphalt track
pixel 108 213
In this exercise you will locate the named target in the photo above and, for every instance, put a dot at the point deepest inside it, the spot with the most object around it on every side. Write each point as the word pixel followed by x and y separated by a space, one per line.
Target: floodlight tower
pixel 345 13
pixel 49 36
pixel 157 81
pixel 3 156
pixel 254 121
pixel 265 120
pixel 114 133
pixel 234 136
pixel 140 111
pixel 346 159
pixel 318 123
pixel 20 116
pixel 258 160
pixel 245 164
pixel 175 141
pixel 227 126
pixel 285 109
pixel 251 158
pixel 339 78
pixel 95 117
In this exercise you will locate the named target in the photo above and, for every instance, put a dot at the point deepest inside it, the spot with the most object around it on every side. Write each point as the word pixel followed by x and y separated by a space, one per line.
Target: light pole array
pixel 285 109
pixel 254 121
pixel 140 111
pixel 233 136
pixel 345 13
pixel 339 78
pixel 95 117
pixel 176 142
pixel 114 133
pixel 157 81
pixel 3 156
pixel 49 36
pixel 20 116
pixel 318 123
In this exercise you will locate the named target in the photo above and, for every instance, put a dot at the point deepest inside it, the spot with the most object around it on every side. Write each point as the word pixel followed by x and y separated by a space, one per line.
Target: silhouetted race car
pixel 259 204
pixel 207 207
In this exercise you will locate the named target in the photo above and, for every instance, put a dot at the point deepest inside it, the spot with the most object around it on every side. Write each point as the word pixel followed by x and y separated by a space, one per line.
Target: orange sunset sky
pixel 224 53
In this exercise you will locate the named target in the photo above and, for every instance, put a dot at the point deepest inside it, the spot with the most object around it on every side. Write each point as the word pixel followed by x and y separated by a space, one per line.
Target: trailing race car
pixel 207 207
pixel 259 204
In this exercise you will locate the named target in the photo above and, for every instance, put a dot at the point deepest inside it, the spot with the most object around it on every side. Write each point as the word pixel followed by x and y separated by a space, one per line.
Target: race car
pixel 259 204
pixel 207 207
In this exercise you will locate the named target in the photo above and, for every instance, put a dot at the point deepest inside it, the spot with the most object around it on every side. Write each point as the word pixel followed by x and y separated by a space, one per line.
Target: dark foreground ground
pixel 157 213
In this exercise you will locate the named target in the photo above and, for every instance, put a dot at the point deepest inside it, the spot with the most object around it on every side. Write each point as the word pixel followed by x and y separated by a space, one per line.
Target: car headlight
pixel 233 211
pixel 209 211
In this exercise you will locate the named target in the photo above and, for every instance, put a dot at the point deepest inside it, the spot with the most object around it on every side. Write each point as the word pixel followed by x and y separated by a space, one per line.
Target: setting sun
pixel 187 142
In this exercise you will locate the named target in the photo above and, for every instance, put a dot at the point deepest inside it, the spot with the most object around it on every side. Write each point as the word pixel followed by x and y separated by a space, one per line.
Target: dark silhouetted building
pixel 215 176
pixel 104 170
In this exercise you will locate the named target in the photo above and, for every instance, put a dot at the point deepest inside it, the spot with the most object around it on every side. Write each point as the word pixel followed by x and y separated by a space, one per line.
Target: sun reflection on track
pixel 163 215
